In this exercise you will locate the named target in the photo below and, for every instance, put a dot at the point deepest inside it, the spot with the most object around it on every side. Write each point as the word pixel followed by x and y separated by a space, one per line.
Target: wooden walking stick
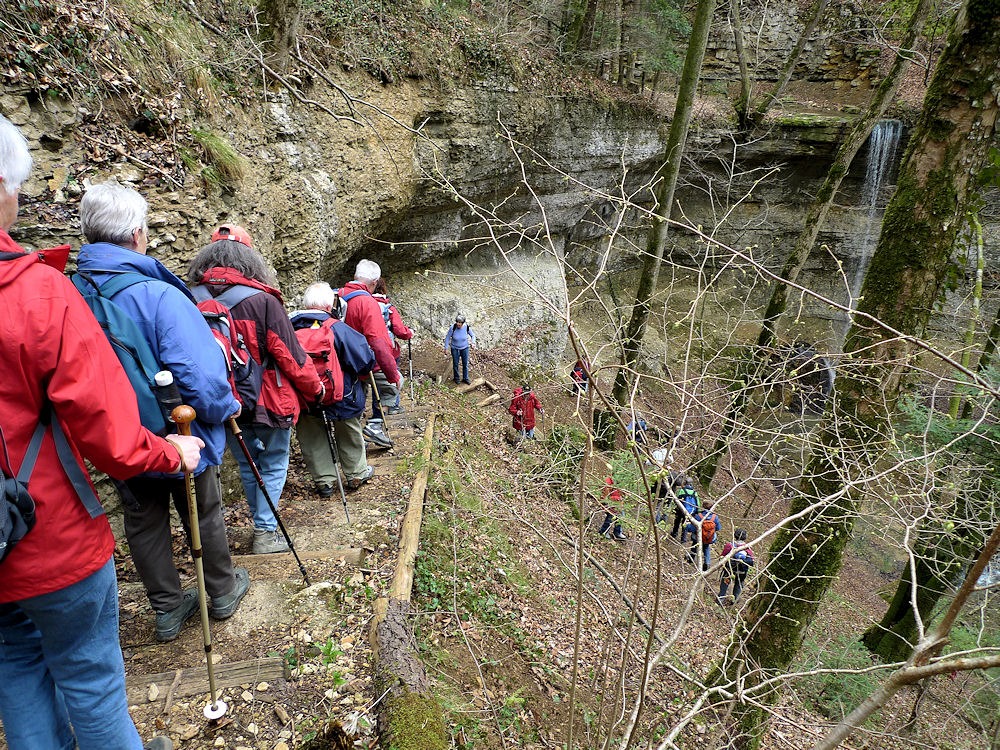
pixel 183 416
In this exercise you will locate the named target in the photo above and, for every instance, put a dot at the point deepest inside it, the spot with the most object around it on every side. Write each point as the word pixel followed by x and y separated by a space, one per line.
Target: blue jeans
pixel 268 447
pixel 463 355
pixel 61 666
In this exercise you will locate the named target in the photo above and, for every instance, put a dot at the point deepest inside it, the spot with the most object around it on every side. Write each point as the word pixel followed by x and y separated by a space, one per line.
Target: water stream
pixel 883 143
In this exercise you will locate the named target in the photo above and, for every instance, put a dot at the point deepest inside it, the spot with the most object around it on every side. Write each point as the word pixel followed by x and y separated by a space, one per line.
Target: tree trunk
pixel 950 141
pixel 585 39
pixel 989 349
pixel 977 296
pixel 283 17
pixel 656 239
pixel 742 105
pixel 885 95
pixel 786 73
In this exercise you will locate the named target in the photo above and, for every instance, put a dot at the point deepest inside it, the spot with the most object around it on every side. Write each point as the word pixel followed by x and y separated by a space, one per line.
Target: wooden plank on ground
pixel 350 555
pixel 489 400
pixel 471 386
pixel 194 680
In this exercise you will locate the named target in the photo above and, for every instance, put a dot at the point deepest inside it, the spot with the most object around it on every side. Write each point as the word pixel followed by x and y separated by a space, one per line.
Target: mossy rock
pixel 413 722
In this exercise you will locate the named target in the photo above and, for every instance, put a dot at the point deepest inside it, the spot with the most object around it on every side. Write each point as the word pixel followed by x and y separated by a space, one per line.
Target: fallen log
pixel 194 680
pixel 471 386
pixel 409 714
pixel 489 400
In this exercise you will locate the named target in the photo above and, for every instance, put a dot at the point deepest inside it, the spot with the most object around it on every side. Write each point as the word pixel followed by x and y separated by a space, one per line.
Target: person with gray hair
pixel 64 398
pixel 230 271
pixel 356 360
pixel 459 340
pixel 364 315
pixel 113 218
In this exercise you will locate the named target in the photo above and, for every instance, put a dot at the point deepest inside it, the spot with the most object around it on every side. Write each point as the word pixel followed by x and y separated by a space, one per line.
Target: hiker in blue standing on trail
pixel 704 530
pixel 113 218
pixel 459 341
pixel 688 497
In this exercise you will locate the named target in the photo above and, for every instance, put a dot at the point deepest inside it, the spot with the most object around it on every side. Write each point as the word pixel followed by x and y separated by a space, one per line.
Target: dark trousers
pixel 608 519
pixel 463 355
pixel 678 525
pixel 736 579
pixel 147 528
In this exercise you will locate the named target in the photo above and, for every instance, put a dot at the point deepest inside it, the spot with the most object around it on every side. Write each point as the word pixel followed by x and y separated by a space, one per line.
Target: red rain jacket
pixel 526 404
pixel 611 496
pixel 400 331
pixel 264 323
pixel 51 345
pixel 365 316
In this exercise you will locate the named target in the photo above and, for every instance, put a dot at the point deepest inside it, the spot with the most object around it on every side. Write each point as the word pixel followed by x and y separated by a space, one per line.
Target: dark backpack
pixel 129 344
pixel 708 529
pixel 17 508
pixel 246 375
pixel 316 340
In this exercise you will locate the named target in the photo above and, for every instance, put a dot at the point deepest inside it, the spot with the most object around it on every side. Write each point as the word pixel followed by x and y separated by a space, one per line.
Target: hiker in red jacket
pixel 365 316
pixel 523 407
pixel 611 499
pixel 289 376
pixel 62 676
pixel 398 331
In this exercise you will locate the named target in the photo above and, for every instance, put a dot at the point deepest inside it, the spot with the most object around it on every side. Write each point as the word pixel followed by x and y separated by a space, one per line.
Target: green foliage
pixel 835 695
pixel 225 167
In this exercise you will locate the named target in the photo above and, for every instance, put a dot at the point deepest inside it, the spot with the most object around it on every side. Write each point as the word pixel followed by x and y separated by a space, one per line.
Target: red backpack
pixel 317 341
pixel 246 375
pixel 708 529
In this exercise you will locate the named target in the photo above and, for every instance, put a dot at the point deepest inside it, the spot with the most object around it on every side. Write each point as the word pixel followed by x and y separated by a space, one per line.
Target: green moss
pixel 415 722
pixel 804 120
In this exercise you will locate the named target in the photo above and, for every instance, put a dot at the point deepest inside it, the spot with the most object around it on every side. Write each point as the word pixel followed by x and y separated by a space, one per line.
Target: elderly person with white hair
pixel 113 218
pixel 64 397
pixel 356 361
pixel 229 268
pixel 364 315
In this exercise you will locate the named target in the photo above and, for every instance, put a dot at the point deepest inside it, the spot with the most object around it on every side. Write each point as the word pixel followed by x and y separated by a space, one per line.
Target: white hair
pixel 15 160
pixel 111 212
pixel 318 296
pixel 368 271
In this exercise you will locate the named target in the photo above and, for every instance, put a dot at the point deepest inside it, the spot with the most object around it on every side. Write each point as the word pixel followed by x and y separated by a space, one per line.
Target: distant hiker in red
pixel 579 375
pixel 65 397
pixel 611 498
pixel 735 570
pixel 523 407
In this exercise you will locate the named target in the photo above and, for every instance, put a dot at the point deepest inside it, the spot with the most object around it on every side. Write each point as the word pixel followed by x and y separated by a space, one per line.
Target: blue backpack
pixel 129 344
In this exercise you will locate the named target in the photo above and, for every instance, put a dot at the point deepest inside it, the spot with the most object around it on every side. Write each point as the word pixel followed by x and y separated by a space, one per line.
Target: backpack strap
pixel 351 295
pixel 120 281
pixel 229 298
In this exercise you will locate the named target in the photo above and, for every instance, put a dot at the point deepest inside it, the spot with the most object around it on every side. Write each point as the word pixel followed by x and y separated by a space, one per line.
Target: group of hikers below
pixel 73 352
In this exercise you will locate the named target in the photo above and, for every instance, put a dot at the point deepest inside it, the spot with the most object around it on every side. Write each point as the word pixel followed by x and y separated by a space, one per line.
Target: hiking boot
pixel 169 624
pixel 619 535
pixel 224 606
pixel 324 490
pixel 395 410
pixel 159 743
pixel 268 541
pixel 353 484
pixel 374 433
pixel 465 381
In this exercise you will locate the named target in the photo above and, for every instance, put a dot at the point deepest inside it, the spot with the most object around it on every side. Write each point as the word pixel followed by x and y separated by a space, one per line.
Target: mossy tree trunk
pixel 656 239
pixel 973 322
pixel 283 17
pixel 985 358
pixel 742 105
pixel 950 141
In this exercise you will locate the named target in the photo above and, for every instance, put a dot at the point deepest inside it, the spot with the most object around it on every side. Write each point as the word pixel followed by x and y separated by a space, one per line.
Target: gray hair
pixel 459 318
pixel 318 296
pixel 231 254
pixel 367 271
pixel 111 212
pixel 15 160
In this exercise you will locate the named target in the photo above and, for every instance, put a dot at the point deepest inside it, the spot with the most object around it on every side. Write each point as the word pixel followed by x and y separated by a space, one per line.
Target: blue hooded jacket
pixel 355 356
pixel 165 312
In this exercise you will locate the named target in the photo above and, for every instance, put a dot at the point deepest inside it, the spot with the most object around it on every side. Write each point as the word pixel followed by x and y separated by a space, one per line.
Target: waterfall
pixel 883 143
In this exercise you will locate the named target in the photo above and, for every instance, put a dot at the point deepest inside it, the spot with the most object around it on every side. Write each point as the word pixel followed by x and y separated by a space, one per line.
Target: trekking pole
pixel 183 416
pixel 336 460
pixel 238 434
pixel 378 402
pixel 409 356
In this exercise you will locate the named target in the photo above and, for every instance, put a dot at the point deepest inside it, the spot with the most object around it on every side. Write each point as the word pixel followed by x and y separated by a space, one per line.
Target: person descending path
pixel 611 499
pixel 230 270
pixel 581 381
pixel 356 360
pixel 459 341
pixel 736 568
pixel 637 430
pixel 523 407
pixel 689 505
pixel 65 397
pixel 364 315
pixel 710 526
pixel 113 219
pixel 397 332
